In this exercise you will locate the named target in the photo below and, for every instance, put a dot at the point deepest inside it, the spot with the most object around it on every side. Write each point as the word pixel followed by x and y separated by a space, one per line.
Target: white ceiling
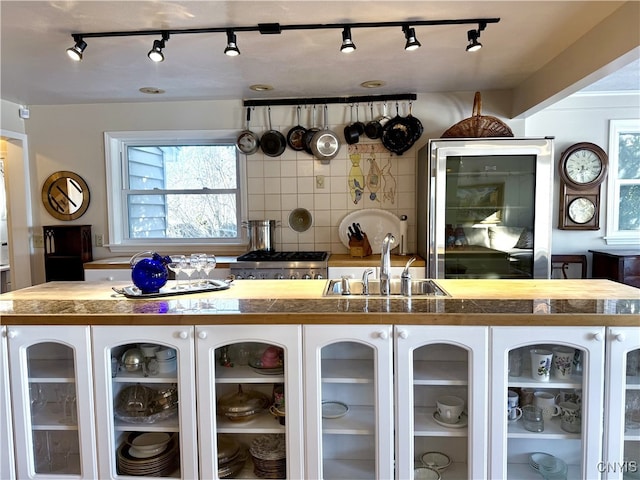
pixel 36 71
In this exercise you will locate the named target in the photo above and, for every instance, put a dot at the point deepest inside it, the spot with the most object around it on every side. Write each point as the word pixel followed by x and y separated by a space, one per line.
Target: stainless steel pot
pixel 262 234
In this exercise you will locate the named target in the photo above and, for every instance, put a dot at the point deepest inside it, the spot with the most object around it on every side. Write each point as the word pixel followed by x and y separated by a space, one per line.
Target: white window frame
pixel 613 235
pixel 114 149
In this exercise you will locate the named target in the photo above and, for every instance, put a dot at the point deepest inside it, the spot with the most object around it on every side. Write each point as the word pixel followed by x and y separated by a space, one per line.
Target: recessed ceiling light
pixel 261 87
pixel 373 84
pixel 151 90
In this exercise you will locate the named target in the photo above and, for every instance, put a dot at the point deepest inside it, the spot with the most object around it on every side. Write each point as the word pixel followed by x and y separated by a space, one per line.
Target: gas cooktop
pixel 271 256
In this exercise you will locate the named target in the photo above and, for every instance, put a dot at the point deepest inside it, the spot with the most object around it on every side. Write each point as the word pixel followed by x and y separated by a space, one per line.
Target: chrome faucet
pixel 365 280
pixel 385 264
pixel 405 279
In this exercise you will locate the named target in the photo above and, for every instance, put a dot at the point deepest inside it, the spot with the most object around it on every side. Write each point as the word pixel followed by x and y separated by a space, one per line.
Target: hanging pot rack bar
pixel 329 100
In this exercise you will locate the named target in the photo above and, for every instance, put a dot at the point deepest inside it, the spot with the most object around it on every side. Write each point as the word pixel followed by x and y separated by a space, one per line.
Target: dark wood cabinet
pixel 620 265
pixel 66 249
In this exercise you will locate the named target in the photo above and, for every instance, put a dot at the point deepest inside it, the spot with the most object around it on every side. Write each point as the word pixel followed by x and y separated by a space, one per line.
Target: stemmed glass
pixel 38 397
pixel 176 267
pixel 208 264
pixel 188 268
pixel 196 263
pixel 67 401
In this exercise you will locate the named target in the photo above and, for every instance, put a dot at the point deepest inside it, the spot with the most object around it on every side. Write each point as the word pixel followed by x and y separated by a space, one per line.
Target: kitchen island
pixel 470 302
pixel 387 359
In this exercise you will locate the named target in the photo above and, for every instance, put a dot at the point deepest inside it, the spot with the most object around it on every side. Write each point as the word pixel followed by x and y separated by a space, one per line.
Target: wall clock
pixel 583 168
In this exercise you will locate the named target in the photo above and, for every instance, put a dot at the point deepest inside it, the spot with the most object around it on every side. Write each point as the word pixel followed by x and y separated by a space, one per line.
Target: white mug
pixel 541 364
pixel 562 363
pixel 547 402
pixel 513 411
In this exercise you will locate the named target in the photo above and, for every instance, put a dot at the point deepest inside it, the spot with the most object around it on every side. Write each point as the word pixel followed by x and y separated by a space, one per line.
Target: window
pixel 173 188
pixel 623 196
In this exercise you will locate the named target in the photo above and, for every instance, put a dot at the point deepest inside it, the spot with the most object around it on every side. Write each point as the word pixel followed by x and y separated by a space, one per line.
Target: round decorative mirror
pixel 65 195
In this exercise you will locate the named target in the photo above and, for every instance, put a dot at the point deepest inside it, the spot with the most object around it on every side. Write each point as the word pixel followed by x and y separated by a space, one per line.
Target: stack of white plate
pixel 269 454
pixel 148 454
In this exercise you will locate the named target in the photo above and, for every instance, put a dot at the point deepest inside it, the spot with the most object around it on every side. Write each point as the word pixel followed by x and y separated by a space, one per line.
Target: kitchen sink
pixel 419 288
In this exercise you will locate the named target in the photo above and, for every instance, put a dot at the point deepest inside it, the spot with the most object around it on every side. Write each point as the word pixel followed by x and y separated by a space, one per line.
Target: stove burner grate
pixel 265 255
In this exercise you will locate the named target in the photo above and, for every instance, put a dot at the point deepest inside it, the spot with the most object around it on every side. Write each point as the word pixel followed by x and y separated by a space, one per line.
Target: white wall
pixel 581 118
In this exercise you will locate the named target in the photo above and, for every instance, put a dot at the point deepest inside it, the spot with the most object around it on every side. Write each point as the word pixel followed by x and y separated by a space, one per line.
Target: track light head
pixel 155 54
pixel 412 41
pixel 474 44
pixel 347 43
pixel 75 52
pixel 232 49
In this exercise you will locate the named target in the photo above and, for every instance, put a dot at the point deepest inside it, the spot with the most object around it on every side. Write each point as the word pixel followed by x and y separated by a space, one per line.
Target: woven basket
pixel 478 125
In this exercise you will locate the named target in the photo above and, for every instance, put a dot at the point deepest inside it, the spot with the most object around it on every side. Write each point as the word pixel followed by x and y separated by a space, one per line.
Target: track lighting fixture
pixel 75 52
pixel 474 44
pixel 232 48
pixel 347 43
pixel 155 54
pixel 412 41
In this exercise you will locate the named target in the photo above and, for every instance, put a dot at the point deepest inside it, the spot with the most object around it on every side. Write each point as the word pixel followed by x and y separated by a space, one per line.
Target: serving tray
pixel 131 291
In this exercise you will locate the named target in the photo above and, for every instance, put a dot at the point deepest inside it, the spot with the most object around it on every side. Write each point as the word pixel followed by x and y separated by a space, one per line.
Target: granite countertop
pixel 471 302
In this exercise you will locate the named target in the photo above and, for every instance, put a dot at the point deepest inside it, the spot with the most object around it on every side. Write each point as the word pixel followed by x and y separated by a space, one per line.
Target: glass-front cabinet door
pixel 145 399
pixel 249 381
pixel 441 385
pixel 622 404
pixel 52 391
pixel 547 402
pixel 349 401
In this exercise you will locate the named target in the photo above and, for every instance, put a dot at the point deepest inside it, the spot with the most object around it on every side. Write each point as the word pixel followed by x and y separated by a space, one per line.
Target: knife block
pixel 360 248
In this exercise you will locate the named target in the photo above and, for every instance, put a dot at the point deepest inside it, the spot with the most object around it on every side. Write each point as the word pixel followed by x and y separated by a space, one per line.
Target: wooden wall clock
pixel 583 168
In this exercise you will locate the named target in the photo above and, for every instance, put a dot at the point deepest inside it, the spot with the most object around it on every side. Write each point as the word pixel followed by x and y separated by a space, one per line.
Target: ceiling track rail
pixel 330 100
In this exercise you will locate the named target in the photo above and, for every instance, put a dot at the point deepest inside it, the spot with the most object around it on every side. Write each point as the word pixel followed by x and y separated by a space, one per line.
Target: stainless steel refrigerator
pixel 485 207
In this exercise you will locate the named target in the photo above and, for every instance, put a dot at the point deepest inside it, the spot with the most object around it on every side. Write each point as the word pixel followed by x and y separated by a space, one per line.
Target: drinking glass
pixel 176 267
pixel 196 263
pixel 208 264
pixel 187 268
pixel 67 400
pixel 38 397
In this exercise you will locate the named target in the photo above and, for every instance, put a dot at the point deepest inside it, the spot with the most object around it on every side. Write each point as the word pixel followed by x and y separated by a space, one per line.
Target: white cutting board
pixel 375 223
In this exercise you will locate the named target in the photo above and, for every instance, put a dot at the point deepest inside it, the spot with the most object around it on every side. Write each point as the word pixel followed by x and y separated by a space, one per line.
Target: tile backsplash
pixel 278 185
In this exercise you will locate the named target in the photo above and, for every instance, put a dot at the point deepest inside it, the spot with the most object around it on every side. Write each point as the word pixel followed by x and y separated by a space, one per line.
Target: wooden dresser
pixel 619 265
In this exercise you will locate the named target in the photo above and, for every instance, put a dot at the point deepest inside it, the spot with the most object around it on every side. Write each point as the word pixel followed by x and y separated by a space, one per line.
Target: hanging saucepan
pixel 373 129
pixel 247 141
pixel 325 143
pixel 397 134
pixel 416 125
pixel 309 134
pixel 295 137
pixel 272 142
pixel 351 134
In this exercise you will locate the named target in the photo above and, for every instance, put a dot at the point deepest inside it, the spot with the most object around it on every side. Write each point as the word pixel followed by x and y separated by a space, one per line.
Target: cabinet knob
pixel 202 334
pixel 597 337
pixel 619 337
pixel 183 335
pixel 403 334
pixel 383 335
pixel 11 334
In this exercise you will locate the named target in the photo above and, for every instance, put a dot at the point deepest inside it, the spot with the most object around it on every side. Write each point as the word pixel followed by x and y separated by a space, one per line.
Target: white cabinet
pixel 230 357
pixel 52 402
pixel 622 403
pixel 510 443
pixel 430 362
pixel 7 463
pixel 126 410
pixel 350 366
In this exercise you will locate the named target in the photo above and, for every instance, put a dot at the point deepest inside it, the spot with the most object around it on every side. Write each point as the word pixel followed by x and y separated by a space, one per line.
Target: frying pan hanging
pixel 373 129
pixel 272 142
pixel 325 143
pixel 295 137
pixel 309 134
pixel 247 141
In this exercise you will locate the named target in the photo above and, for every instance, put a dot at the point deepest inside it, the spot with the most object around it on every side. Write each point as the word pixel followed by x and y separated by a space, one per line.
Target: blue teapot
pixel 149 274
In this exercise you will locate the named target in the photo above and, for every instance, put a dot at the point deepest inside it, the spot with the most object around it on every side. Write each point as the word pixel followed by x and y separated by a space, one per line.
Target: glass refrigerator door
pixel 489 216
